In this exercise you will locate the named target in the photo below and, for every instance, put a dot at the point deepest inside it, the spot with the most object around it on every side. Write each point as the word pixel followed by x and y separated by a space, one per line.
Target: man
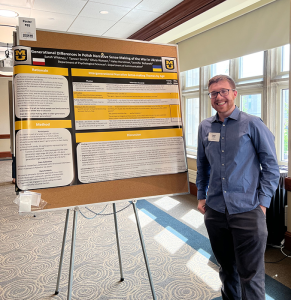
pixel 238 171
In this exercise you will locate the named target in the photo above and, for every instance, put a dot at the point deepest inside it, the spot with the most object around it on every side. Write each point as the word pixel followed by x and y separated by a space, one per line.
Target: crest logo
pixel 20 55
pixel 169 64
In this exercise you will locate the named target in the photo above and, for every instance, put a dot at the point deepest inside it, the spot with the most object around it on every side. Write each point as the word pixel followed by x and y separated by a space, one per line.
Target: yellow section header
pixel 126 135
pixel 40 70
pixel 41 124
pixel 123 74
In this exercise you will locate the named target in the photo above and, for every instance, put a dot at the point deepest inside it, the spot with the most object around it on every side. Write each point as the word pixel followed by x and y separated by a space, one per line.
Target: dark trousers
pixel 238 243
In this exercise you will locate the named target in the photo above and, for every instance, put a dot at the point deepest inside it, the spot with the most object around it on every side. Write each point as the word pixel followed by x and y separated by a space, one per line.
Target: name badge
pixel 213 136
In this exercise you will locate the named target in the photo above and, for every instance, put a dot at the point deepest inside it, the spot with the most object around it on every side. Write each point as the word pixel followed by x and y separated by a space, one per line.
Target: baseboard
pixel 4 136
pixel 5 154
pixel 287 244
pixel 193 189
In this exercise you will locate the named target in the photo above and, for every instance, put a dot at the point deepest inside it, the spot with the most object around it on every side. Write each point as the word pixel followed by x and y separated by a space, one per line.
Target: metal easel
pixel 76 210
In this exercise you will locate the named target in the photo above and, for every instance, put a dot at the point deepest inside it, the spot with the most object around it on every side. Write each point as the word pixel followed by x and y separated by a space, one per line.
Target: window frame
pixel 192 88
pixel 281 127
pixel 249 91
pixel 280 87
pixel 279 61
pixel 211 67
pixel 250 79
pixel 189 149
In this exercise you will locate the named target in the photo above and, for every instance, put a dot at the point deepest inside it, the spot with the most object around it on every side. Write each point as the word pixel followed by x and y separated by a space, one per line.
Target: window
pixel 284 124
pixel 220 68
pixel 285 54
pixel 248 74
pixel 251 65
pixel 251 104
pixel 190 94
pixel 192 78
pixel 213 111
pixel 192 122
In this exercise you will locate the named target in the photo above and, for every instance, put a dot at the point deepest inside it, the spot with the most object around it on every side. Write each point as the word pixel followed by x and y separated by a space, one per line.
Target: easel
pixel 73 196
pixel 76 210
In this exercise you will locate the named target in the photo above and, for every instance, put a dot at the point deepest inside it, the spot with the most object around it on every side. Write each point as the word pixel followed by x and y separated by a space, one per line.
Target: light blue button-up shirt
pixel 236 163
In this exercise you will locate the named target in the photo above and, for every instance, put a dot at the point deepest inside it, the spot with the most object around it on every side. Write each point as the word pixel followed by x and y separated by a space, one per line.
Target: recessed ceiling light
pixel 8 13
pixel 103 12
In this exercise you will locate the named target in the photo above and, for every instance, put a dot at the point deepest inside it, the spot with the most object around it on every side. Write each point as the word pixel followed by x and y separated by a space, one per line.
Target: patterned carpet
pixel 181 261
pixel 30 251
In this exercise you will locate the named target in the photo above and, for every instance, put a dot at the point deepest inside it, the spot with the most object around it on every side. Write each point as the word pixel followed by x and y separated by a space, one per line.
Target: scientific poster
pixel 84 117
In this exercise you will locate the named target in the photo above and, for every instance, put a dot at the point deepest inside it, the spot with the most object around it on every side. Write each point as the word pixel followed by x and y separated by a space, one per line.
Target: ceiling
pixel 83 16
pixel 124 17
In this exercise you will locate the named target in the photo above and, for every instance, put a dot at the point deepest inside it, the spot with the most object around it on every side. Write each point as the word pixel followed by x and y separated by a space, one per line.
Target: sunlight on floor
pixel 166 203
pixel 170 239
pixel 269 298
pixel 145 217
pixel 194 218
pixel 205 269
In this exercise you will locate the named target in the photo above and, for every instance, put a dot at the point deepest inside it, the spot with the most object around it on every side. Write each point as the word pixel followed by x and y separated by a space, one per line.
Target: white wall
pixel 5 145
pixel 4 105
pixel 191 161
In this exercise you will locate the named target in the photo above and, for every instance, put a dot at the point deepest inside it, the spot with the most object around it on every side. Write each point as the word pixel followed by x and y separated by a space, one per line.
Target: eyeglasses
pixel 222 92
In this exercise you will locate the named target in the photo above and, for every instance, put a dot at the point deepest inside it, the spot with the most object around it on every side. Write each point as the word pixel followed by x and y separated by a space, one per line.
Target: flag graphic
pixel 157 68
pixel 38 61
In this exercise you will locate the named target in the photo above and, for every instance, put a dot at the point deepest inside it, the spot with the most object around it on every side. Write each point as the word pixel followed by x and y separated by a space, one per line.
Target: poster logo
pixel 169 64
pixel 20 54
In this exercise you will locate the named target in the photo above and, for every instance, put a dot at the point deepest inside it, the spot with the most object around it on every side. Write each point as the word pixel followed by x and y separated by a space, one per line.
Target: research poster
pixel 84 117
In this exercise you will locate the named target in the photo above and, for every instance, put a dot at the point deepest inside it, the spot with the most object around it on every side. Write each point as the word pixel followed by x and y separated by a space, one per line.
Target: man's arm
pixel 263 141
pixel 203 172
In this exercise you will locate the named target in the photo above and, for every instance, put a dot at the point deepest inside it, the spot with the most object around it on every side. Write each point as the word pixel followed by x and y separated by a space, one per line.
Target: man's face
pixel 223 104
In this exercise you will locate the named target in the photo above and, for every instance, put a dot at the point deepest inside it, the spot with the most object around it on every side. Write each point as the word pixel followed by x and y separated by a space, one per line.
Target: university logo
pixel 169 63
pixel 20 54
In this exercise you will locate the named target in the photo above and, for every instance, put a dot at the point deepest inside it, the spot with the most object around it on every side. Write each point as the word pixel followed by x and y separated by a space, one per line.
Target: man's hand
pixel 201 206
pixel 263 209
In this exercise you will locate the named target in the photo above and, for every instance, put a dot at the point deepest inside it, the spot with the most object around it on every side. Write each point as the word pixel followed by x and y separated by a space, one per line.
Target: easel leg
pixel 72 253
pixel 62 252
pixel 144 250
pixel 118 245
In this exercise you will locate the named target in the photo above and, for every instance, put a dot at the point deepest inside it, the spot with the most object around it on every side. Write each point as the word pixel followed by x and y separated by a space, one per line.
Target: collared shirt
pixel 236 163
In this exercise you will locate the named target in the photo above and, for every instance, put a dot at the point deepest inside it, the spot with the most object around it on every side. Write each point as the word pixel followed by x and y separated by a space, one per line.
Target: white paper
pixel 24 203
pixel 111 160
pixel 213 136
pixel 35 197
pixel 41 96
pixel 27 29
pixel 44 158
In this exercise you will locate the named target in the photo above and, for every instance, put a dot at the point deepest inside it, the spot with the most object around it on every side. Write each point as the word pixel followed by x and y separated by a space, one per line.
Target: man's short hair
pixel 218 78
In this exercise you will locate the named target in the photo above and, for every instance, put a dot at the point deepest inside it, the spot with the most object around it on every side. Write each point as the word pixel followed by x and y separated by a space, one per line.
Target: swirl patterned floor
pixel 30 252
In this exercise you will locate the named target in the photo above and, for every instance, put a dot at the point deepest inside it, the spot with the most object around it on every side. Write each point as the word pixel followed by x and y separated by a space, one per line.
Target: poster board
pixel 69 121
